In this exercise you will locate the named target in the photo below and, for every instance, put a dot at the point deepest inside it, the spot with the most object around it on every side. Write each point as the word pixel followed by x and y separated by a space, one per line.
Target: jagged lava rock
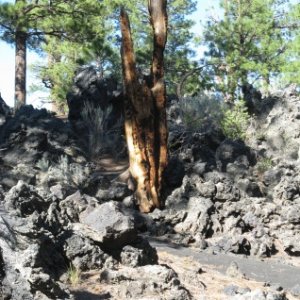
pixel 110 225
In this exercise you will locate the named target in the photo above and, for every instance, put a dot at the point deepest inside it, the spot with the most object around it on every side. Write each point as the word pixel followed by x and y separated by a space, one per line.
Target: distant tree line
pixel 253 42
pixel 71 34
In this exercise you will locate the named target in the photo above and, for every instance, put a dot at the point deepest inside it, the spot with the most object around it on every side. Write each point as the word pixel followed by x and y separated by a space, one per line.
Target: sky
pixel 7 60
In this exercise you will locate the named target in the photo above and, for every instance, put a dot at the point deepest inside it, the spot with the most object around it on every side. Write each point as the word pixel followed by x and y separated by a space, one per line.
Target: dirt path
pixel 203 274
pixel 256 272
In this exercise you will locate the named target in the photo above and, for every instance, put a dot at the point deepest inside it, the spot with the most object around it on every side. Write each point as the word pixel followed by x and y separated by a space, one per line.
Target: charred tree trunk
pixel 145 111
pixel 20 69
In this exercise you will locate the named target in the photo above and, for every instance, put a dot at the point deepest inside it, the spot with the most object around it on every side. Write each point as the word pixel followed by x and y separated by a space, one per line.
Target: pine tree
pixel 246 44
pixel 17 27
pixel 40 24
pixel 291 70
pixel 84 41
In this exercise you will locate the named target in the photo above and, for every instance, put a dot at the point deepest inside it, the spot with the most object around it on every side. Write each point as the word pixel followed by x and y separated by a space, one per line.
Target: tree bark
pixel 20 62
pixel 20 69
pixel 145 111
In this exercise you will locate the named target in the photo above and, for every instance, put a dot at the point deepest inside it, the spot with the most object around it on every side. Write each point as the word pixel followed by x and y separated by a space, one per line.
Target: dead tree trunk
pixel 145 111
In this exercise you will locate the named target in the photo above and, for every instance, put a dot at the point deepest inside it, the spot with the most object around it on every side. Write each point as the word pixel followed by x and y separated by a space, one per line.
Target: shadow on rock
pixel 82 295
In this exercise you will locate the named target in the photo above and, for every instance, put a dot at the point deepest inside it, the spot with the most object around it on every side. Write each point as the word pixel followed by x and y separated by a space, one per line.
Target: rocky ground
pixel 69 228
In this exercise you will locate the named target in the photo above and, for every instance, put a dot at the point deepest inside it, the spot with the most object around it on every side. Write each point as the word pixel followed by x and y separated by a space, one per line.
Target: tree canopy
pixel 253 42
pixel 247 44
pixel 75 33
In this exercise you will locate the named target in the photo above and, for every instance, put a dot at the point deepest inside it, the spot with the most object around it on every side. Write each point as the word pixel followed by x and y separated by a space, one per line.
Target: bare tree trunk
pixel 159 20
pixel 145 111
pixel 20 69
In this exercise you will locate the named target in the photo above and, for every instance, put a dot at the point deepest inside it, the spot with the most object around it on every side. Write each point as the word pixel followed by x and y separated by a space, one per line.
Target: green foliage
pixel 264 164
pixel 19 17
pixel 235 121
pixel 201 112
pixel 178 52
pixel 247 44
pixel 74 275
pixel 291 70
pixel 71 33
pixel 43 164
pixel 84 40
pixel 82 32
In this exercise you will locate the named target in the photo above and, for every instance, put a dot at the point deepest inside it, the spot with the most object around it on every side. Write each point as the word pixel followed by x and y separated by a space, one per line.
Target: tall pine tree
pixel 246 44
pixel 291 70
pixel 38 24
pixel 17 26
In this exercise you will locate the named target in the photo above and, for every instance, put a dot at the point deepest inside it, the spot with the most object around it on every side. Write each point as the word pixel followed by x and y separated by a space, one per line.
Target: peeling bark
pixel 145 111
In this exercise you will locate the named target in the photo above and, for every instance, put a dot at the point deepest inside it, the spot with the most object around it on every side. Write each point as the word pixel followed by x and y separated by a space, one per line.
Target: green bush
pixel 235 121
pixel 197 113
pixel 74 275
pixel 43 164
pixel 264 164
pixel 100 139
pixel 94 118
pixel 63 172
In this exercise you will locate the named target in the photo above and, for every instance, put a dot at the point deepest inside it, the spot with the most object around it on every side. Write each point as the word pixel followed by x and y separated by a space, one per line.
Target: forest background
pixel 206 37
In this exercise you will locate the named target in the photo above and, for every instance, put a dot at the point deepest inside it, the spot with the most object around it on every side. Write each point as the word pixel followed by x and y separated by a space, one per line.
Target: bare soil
pixel 204 281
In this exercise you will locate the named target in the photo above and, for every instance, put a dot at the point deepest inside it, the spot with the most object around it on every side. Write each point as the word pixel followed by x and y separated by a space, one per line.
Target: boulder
pixel 234 151
pixel 280 127
pixel 295 290
pixel 75 204
pixel 251 188
pixel 272 177
pixel 227 191
pixel 31 261
pixel 32 135
pixel 5 111
pixel 174 173
pixel 291 242
pixel 198 216
pixel 23 200
pixel 87 87
pixel 95 92
pixel 82 253
pixel 139 253
pixel 108 224
pixel 116 191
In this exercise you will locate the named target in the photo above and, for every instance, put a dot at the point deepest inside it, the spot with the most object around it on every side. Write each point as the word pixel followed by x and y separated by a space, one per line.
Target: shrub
pixel 235 121
pixel 74 275
pixel 264 164
pixel 63 172
pixel 43 164
pixel 100 139
pixel 201 112
pixel 94 118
